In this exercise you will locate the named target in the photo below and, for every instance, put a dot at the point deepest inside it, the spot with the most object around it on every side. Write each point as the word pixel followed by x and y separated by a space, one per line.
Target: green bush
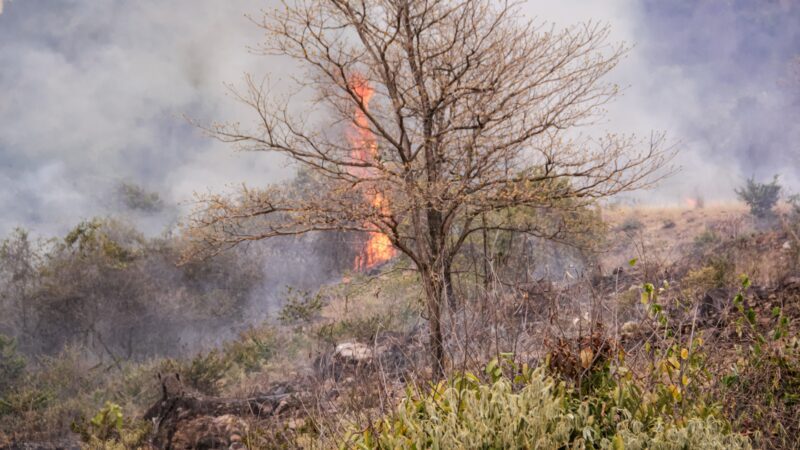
pixel 12 365
pixel 530 411
pixel 706 238
pixel 360 328
pixel 254 347
pixel 300 306
pixel 109 429
pixel 105 425
pixel 206 371
pixel 137 198
pixel 25 399
pixel 761 391
pixel 760 197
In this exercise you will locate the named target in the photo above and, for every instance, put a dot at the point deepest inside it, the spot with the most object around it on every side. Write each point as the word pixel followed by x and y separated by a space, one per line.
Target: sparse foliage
pixel 300 306
pixel 760 390
pixel 137 198
pixel 631 224
pixel 106 286
pixel 470 112
pixel 12 364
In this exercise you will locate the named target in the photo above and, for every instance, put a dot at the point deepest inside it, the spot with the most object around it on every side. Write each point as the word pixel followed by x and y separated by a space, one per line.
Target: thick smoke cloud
pixel 93 93
pixel 722 73
pixel 719 76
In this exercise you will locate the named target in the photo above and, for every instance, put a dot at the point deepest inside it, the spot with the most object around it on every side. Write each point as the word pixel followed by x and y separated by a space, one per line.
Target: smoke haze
pixel 93 93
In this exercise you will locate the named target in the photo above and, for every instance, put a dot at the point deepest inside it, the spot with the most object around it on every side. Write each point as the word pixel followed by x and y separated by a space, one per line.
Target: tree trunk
pixel 452 303
pixel 434 293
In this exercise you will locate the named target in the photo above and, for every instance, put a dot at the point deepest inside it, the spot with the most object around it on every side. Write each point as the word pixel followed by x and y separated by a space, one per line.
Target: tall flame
pixel 378 248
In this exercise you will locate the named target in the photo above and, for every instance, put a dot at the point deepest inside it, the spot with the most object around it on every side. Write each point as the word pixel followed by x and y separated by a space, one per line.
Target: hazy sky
pixel 93 92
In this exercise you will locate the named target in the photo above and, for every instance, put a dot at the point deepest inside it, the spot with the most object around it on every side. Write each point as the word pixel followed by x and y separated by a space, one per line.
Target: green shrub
pixel 761 392
pixel 25 399
pixel 137 198
pixel 206 371
pixel 529 411
pixel 254 347
pixel 105 425
pixel 12 365
pixel 718 272
pixel 360 328
pixel 300 306
pixel 706 238
pixel 109 429
pixel 760 197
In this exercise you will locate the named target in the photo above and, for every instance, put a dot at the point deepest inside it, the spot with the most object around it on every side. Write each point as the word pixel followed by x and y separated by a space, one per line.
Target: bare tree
pixel 469 110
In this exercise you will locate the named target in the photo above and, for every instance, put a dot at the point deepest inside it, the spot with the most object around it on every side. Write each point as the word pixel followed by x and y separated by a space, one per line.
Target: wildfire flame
pixel 694 202
pixel 378 248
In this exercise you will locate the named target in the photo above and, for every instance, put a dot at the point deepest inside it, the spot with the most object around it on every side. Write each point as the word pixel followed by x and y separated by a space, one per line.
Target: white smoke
pixel 94 92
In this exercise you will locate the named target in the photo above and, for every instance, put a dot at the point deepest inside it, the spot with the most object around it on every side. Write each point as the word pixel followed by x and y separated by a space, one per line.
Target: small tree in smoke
pixel 470 115
pixel 137 198
pixel 760 197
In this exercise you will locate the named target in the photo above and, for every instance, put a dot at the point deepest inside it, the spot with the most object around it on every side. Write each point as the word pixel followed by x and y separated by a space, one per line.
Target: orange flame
pixel 378 248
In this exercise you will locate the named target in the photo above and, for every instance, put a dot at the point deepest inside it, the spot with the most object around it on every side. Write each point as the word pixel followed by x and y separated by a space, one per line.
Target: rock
pixel 791 283
pixel 715 305
pixel 758 291
pixel 786 246
pixel 391 354
pixel 343 360
pixel 354 352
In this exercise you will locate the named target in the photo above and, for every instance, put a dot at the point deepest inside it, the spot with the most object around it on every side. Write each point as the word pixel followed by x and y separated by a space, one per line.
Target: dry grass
pixel 526 320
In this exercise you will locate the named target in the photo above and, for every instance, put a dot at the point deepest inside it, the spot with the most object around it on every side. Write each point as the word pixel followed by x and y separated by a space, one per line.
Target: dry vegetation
pixel 513 308
pixel 346 366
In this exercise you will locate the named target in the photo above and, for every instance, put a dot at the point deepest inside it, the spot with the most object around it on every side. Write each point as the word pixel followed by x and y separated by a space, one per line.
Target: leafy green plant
pixel 107 423
pixel 521 407
pixel 300 306
pixel 760 391
pixel 669 389
pixel 760 197
pixel 109 429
